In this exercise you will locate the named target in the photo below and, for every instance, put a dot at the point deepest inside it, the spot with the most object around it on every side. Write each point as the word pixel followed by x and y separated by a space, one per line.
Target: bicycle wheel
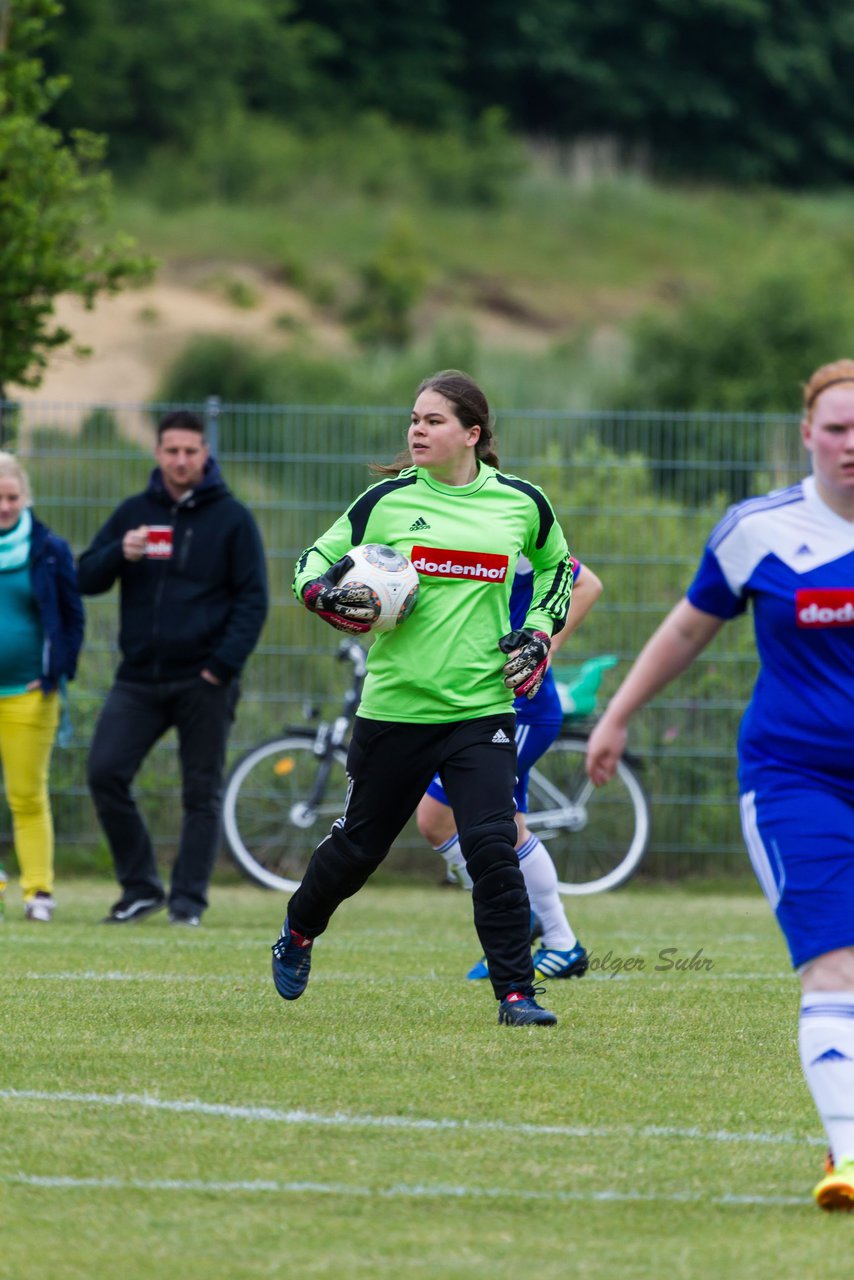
pixel 596 836
pixel 270 828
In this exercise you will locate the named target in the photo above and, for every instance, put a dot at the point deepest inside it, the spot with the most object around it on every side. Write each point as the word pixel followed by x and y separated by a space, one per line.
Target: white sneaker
pixel 40 908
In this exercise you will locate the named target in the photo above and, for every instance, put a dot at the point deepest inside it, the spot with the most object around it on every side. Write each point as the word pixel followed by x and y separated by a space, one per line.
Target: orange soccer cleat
pixel 836 1189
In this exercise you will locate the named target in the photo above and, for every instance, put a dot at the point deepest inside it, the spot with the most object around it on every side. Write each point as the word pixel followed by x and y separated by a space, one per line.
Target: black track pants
pixel 390 766
pixel 133 718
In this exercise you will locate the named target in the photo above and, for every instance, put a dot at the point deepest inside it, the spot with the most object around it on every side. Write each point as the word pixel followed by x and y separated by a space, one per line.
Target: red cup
pixel 158 545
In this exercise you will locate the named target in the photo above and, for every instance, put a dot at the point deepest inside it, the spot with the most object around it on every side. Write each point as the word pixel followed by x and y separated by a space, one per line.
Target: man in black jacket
pixel 191 566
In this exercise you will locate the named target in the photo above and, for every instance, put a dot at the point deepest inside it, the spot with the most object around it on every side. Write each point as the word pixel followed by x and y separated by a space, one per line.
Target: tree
pixel 744 90
pixel 156 73
pixel 55 199
pixel 392 56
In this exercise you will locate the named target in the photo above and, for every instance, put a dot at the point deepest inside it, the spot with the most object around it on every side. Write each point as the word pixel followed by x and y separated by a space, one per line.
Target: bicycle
pixel 283 795
pixel 596 838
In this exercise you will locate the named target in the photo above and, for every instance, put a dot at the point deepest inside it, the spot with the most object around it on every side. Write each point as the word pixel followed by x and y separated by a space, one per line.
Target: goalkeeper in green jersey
pixel 438 698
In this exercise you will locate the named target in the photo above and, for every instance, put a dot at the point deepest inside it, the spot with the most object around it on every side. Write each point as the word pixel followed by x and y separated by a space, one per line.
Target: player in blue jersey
pixel 538 722
pixel 791 556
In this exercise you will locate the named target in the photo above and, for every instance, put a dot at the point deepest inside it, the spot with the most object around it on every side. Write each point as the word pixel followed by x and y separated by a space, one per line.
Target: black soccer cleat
pixel 291 962
pixel 518 1010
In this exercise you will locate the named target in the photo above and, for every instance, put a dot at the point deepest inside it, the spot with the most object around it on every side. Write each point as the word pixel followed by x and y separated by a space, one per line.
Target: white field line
pixel 664 975
pixel 340 1119
pixel 161 940
pixel 402 1191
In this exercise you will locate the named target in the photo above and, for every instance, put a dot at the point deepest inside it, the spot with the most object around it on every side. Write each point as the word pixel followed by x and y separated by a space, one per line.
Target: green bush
pixel 373 156
pixel 243 158
pixel 250 158
pixel 392 283
pixel 742 351
pixel 100 430
pixel 239 373
pixel 478 166
pixel 215 365
pixel 746 351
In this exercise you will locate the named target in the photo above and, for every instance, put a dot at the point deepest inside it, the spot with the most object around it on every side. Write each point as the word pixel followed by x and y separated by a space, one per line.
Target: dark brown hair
pixel 470 406
pixel 180 420
pixel 828 375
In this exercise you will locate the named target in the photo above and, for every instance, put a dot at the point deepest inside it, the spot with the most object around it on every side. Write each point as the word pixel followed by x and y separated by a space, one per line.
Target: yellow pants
pixel 28 724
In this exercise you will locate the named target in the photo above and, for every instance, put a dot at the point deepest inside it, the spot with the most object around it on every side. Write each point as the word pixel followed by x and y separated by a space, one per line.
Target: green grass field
pixel 165 1114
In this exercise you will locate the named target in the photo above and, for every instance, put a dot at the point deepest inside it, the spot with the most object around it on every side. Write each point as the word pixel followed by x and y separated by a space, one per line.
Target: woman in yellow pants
pixel 40 639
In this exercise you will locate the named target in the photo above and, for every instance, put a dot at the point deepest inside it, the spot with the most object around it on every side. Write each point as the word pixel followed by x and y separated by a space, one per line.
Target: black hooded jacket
pixel 203 607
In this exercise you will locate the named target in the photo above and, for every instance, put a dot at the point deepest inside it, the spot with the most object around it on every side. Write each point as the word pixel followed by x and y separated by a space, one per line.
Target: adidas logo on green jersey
pixel 418 525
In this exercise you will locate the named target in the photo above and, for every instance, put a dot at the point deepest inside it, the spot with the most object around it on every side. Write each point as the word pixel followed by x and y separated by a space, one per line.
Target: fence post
pixel 212 408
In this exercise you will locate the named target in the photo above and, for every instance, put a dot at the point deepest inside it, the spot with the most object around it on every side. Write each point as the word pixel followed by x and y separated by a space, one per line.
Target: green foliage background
pixel 750 90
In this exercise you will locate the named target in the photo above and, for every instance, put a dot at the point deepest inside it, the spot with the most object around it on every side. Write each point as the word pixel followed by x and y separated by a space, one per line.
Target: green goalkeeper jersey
pixel 443 663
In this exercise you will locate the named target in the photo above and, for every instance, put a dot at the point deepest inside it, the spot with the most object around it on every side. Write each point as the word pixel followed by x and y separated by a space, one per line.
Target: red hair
pixel 827 375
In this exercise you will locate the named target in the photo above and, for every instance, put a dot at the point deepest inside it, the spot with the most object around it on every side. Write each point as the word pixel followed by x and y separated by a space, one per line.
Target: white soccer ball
pixel 391 578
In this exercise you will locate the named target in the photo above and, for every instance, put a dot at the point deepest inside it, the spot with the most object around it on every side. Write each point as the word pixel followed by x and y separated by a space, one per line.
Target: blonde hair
pixel 827 375
pixel 10 466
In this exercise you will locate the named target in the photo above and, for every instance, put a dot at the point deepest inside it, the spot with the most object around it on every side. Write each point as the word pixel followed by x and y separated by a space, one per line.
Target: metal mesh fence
pixel 637 494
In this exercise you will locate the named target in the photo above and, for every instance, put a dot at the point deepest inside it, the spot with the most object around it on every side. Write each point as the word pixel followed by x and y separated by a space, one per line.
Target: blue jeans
pixel 134 718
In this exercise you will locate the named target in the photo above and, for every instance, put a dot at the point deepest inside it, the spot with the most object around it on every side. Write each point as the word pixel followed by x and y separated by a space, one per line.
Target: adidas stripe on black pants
pixel 390 765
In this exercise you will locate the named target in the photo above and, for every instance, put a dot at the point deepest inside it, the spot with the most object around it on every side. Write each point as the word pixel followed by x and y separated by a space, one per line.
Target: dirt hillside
pixel 134 336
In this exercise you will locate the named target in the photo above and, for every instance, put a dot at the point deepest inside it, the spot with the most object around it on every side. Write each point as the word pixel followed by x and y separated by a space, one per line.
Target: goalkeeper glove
pixel 352 607
pixel 525 669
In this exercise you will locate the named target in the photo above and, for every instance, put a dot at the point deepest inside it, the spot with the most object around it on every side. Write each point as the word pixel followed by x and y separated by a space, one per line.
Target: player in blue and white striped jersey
pixel 789 555
pixel 538 723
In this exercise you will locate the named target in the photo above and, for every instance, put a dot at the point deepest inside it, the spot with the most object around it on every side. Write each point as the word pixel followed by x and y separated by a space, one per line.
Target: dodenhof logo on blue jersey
pixel 824 606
